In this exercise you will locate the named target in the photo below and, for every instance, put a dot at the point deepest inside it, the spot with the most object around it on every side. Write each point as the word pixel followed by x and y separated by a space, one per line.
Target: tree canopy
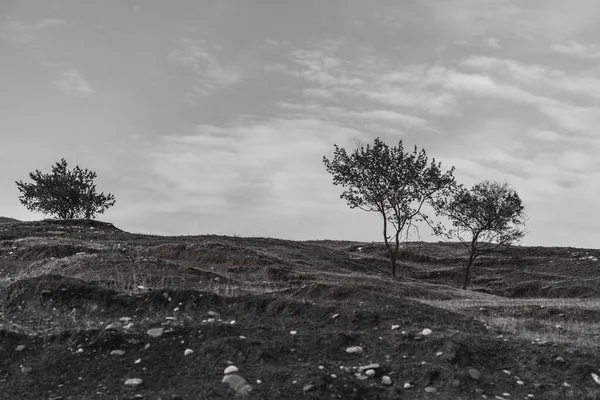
pixel 486 218
pixel 387 180
pixel 64 193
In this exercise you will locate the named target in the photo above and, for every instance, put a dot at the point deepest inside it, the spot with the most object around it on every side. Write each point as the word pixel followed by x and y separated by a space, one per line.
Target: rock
pixel 430 389
pixel 20 347
pixel 133 382
pixel 335 316
pixel 366 367
pixel 370 372
pixel 232 369
pixel 293 332
pixel 520 383
pixel 559 359
pixel 309 388
pixel 479 391
pixel 110 327
pixel 188 352
pixel 117 353
pixel 426 332
pixel 407 385
pixel 395 327
pixel 333 376
pixel 386 380
pixel 354 350
pixel 474 374
pixel 596 378
pixel 26 370
pixel 156 332
pixel 213 314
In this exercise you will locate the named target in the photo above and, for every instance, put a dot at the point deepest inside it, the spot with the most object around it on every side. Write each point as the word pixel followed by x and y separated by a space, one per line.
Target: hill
pixel 86 308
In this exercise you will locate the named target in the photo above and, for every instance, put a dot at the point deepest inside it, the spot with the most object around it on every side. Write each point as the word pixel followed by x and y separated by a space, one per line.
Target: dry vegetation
pixel 64 279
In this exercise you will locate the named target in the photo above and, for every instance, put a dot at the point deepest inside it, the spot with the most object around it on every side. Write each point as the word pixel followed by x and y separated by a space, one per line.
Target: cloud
pixel 272 166
pixel 210 74
pixel 344 116
pixel 586 52
pixel 74 84
pixel 544 135
pixel 17 31
pixel 492 42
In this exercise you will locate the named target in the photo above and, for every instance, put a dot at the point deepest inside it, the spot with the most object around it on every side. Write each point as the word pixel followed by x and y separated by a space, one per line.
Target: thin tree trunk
pixel 472 258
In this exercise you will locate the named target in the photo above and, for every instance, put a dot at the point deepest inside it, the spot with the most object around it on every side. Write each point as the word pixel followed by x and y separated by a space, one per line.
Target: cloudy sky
pixel 213 116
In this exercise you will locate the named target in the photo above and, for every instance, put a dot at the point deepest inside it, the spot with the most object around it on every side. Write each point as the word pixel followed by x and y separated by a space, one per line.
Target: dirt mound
pixel 7 220
pixel 35 248
pixel 210 253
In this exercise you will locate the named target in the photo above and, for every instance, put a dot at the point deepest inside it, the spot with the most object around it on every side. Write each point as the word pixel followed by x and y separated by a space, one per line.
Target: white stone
pixel 188 352
pixel 293 332
pixel 156 332
pixel 370 372
pixel 386 380
pixel 117 352
pixel 133 382
pixel 334 316
pixel 366 367
pixel 426 332
pixel 394 327
pixel 407 385
pixel 354 350
pixel 232 369
pixel 596 378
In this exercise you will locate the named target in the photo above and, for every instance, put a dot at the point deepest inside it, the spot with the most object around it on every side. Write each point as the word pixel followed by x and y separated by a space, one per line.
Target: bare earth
pixel 285 313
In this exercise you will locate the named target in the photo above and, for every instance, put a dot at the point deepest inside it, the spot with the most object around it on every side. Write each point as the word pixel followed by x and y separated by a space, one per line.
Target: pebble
pixel 117 352
pixel 354 350
pixel 507 372
pixel 293 332
pixel 394 327
pixel 20 347
pixel 110 327
pixel 386 380
pixel 258 381
pixel 133 382
pixel 308 388
pixel 596 378
pixel 232 369
pixel 188 352
pixel 426 332
pixel 366 367
pixel 26 370
pixel 334 316
pixel 520 383
pixel 559 359
pixel 407 385
pixel 370 372
pixel 430 389
pixel 474 374
pixel 333 376
pixel 156 332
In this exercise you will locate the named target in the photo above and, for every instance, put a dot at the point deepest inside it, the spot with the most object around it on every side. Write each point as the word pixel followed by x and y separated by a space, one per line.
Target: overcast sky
pixel 213 116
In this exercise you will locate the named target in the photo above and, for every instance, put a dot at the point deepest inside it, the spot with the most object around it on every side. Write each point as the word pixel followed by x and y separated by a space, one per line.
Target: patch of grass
pixel 572 321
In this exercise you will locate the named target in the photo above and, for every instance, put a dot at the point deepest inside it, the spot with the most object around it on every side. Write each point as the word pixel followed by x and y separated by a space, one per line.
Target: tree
pixel 390 182
pixel 64 193
pixel 488 217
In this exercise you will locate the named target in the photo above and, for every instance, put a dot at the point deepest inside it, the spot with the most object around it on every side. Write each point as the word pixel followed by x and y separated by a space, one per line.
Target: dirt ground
pixel 86 308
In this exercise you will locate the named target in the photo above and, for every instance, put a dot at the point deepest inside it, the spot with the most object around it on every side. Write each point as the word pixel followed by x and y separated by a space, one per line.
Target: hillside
pixel 86 307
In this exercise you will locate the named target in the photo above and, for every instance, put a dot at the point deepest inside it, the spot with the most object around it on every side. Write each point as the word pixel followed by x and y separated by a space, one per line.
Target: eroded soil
pixel 284 313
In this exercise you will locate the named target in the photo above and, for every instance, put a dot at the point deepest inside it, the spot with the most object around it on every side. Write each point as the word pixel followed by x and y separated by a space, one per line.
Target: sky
pixel 212 117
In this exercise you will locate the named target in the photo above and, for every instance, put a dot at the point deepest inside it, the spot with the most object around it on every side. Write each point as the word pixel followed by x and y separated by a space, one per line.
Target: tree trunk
pixel 468 270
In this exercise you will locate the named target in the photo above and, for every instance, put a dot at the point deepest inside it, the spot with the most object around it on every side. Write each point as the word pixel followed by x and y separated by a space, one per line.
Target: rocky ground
pixel 88 311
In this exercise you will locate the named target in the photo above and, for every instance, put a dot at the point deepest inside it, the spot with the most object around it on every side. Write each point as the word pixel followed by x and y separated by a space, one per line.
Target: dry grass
pixel 537 320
